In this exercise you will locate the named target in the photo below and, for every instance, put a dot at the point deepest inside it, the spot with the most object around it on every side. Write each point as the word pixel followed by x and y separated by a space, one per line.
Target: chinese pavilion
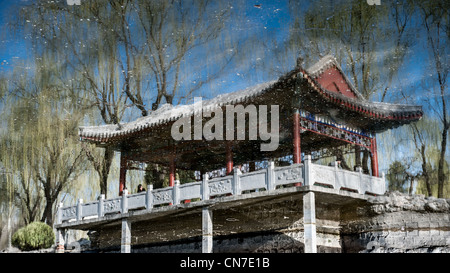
pixel 319 108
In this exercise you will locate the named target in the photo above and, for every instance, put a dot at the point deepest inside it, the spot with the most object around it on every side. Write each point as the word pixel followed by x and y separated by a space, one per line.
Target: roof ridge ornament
pixel 300 61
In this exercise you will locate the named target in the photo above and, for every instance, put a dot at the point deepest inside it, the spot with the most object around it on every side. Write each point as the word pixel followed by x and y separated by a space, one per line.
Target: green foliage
pixel 36 235
pixel 154 174
pixel 186 176
pixel 158 176
pixel 396 176
pixel 433 173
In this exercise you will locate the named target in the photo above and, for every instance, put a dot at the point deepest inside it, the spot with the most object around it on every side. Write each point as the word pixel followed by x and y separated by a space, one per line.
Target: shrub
pixel 34 236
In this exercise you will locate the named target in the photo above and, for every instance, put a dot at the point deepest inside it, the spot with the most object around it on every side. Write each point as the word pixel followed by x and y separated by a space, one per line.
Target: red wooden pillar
pixel 172 169
pixel 123 173
pixel 252 166
pixel 229 157
pixel 172 172
pixel 374 155
pixel 297 153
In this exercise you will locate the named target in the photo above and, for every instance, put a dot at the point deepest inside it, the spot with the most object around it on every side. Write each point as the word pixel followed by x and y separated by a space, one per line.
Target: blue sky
pixel 266 18
pixel 10 48
pixel 263 19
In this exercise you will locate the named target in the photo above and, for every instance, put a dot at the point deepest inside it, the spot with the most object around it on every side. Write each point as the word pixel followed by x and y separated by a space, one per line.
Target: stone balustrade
pixel 268 179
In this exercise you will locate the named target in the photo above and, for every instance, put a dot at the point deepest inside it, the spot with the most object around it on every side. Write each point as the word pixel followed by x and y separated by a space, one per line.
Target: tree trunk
pixel 47 216
pixel 357 156
pixel 425 173
pixel 365 162
pixel 106 166
pixel 441 174
pixel 340 157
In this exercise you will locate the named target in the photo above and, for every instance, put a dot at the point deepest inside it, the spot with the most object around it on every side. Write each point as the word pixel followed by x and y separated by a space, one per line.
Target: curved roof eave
pixel 168 113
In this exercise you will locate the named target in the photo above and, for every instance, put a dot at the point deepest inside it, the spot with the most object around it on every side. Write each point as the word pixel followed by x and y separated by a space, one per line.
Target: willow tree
pixel 435 19
pixel 15 153
pixel 427 139
pixel 346 30
pixel 369 42
pixel 126 53
pixel 40 144
pixel 16 158
pixel 423 137
pixel 61 159
pixel 84 43
pixel 175 37
pixel 9 197
pixel 430 134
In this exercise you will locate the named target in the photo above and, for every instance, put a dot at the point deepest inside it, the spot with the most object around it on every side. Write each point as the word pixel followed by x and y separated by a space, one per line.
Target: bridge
pixel 312 184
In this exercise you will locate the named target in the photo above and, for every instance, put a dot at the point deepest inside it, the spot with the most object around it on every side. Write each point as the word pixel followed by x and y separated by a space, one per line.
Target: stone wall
pixel 392 223
pixel 398 223
pixel 263 227
pixel 268 242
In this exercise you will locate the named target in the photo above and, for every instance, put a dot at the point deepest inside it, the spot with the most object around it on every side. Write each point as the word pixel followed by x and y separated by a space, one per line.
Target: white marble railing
pixel 266 179
pixel 336 178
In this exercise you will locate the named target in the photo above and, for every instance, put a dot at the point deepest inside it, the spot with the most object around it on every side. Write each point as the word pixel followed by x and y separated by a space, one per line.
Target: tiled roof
pixel 168 113
pixel 377 110
pixel 326 62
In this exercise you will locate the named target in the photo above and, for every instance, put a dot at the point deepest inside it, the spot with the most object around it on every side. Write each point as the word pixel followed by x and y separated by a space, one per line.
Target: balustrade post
pixel 308 171
pixel 125 246
pixel 207 230
pixel 100 209
pixel 149 197
pixel 176 192
pixel 205 188
pixel 360 172
pixel 336 169
pixel 309 222
pixel 59 240
pixel 79 209
pixel 362 185
pixel 125 201
pixel 271 176
pixel 236 181
pixel 59 214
